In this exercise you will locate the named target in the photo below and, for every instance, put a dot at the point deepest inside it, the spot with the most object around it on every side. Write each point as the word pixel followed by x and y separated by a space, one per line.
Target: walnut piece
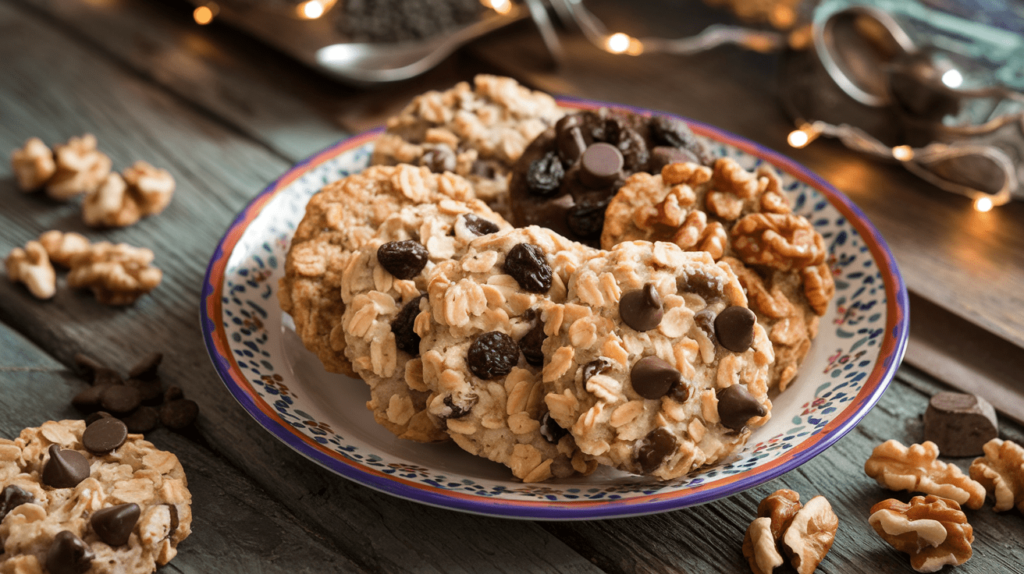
pixel 819 286
pixel 810 534
pixel 117 274
pixel 779 507
pixel 931 529
pixel 32 267
pixel 61 247
pixel 152 188
pixel 759 547
pixel 917 469
pixel 121 201
pixel 783 241
pixel 1001 472
pixel 33 164
pixel 80 168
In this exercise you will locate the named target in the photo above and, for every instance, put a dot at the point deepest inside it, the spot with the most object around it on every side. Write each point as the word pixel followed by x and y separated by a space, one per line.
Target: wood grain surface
pixel 70 67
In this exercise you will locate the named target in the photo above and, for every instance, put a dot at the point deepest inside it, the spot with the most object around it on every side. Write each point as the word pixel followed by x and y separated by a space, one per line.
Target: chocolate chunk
pixel 708 287
pixel 179 414
pixel 88 400
pixel 550 430
pixel 402 325
pixel 96 416
pixel 662 156
pixel 114 524
pixel 680 392
pixel 658 445
pixel 151 392
pixel 601 166
pixel 533 340
pixel 65 468
pixel 403 259
pixel 107 376
pixel 480 226
pixel 960 424
pixel 87 365
pixel 143 420
pixel 104 435
pixel 173 393
pixel 652 378
pixel 674 132
pixel 736 406
pixel 68 554
pixel 439 159
pixel 595 367
pixel 586 218
pixel 147 366
pixel 526 264
pixel 734 328
pixel 459 411
pixel 705 319
pixel 545 175
pixel 12 497
pixel 492 355
pixel 571 144
pixel 120 399
pixel 641 309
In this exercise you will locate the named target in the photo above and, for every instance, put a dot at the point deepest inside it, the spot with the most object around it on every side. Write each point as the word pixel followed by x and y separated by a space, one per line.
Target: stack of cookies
pixel 554 290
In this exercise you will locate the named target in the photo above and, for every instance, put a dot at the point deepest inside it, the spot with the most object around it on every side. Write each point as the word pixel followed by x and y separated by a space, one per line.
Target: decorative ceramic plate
pixel 322 415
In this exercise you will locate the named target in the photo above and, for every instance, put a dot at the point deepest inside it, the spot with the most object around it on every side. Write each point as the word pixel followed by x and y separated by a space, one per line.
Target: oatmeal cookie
pixel 340 218
pixel 481 350
pixel 744 219
pixel 655 363
pixel 100 498
pixel 476 131
pixel 382 288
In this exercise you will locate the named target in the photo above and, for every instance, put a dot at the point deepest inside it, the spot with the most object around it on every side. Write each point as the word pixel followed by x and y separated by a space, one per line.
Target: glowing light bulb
pixel 903 153
pixel 983 204
pixel 311 10
pixel 953 78
pixel 500 6
pixel 617 43
pixel 798 138
pixel 203 15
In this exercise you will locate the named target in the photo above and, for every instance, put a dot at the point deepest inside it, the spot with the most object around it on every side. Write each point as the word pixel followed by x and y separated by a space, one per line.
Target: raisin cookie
pixel 340 218
pixel 476 131
pixel 481 350
pixel 744 219
pixel 655 363
pixel 93 499
pixel 382 288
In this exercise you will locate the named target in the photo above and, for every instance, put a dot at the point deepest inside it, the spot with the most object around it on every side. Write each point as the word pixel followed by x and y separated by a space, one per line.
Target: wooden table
pixel 226 115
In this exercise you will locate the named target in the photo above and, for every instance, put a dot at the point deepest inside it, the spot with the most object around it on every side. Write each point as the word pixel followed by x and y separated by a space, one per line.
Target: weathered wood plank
pixel 61 87
pixel 236 526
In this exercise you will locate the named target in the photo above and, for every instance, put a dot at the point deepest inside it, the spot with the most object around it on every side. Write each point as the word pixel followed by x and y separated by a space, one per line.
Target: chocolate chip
pixel 658 445
pixel 114 524
pixel 87 365
pixel 179 414
pixel 151 392
pixel 652 378
pixel 65 468
pixel 586 217
pixel 173 393
pixel 439 159
pixel 526 264
pixel 458 411
pixel 143 420
pixel 480 226
pixel 492 355
pixel 120 399
pixel 641 309
pixel 104 435
pixel 12 497
pixel 960 424
pixel 707 286
pixel 680 392
pixel 675 133
pixel 662 156
pixel 601 166
pixel 68 554
pixel 402 325
pixel 147 366
pixel 550 430
pixel 88 400
pixel 545 175
pixel 107 376
pixel 705 319
pixel 571 144
pixel 533 340
pixel 736 406
pixel 96 416
pixel 595 367
pixel 403 259
pixel 734 328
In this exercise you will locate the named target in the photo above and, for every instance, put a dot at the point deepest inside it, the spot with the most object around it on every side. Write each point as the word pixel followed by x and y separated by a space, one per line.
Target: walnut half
pixel 32 267
pixel 33 164
pixel 121 201
pixel 917 469
pixel 810 535
pixel 80 168
pixel 803 532
pixel 932 530
pixel 117 274
pixel 1001 472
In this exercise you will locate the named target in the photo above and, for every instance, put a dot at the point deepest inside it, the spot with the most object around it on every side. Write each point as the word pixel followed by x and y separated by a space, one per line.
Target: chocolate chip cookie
pixel 340 218
pixel 654 362
pixel 481 350
pixel 383 288
pixel 94 499
pixel 744 219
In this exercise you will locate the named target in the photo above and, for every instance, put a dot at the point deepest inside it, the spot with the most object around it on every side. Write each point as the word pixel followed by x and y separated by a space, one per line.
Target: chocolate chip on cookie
pixel 65 468
pixel 652 377
pixel 655 448
pixel 458 411
pixel 68 554
pixel 403 259
pixel 736 406
pixel 439 159
pixel 526 264
pixel 12 497
pixel 406 338
pixel 492 355
pixel 641 309
pixel 734 328
pixel 601 166
pixel 104 435
pixel 533 340
pixel 480 226
pixel 114 524
pixel 705 319
pixel 595 367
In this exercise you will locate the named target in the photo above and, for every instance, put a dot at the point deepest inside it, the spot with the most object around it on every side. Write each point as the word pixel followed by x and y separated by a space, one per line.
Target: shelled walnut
pixel 932 530
pixel 61 247
pixel 810 534
pixel 117 274
pixel 1001 472
pixel 917 469
pixel 33 165
pixel 121 201
pixel 760 547
pixel 32 267
pixel 80 168
pixel 804 533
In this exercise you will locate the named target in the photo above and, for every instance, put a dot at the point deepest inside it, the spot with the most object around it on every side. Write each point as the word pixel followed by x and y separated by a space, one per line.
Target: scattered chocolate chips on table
pixel 179 414
pixel 960 424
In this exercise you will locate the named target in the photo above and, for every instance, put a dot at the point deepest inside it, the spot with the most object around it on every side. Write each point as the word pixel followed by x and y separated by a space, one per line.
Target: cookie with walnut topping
pixel 655 364
pixel 382 288
pixel 94 499
pixel 744 219
pixel 481 350
pixel 340 218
